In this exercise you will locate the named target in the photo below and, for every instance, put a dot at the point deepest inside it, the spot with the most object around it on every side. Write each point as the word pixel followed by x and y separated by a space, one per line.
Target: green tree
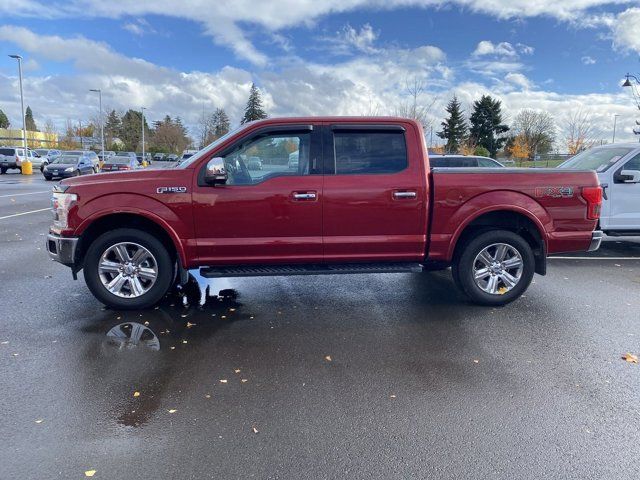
pixel 30 123
pixel 538 130
pixel 454 128
pixel 4 120
pixel 169 136
pixel 486 124
pixel 112 126
pixel 131 130
pixel 253 110
pixel 481 151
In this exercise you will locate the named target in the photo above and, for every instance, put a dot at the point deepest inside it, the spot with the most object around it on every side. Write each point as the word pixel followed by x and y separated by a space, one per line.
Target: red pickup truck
pixel 325 195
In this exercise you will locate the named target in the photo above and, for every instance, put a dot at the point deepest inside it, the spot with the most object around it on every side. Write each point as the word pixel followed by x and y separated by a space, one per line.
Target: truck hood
pixel 123 177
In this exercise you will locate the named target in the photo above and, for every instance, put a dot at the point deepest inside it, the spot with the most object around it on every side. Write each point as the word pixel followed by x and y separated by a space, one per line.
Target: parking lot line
pixel 25 213
pixel 29 193
pixel 594 258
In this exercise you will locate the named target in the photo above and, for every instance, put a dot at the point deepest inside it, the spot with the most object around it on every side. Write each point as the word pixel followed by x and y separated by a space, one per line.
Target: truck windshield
pixel 183 163
pixel 598 159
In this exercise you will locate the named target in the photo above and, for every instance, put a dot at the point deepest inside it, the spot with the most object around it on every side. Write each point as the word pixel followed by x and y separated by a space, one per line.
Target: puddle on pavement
pixel 143 349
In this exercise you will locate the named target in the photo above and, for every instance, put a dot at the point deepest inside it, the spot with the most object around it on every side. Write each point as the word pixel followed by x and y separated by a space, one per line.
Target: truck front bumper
pixel 62 249
pixel 596 240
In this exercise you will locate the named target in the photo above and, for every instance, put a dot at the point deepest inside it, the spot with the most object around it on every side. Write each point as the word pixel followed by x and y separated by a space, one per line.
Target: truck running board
pixel 316 269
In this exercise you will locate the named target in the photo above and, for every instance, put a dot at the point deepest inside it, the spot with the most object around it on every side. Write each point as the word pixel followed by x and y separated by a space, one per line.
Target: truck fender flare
pixel 142 213
pixel 501 207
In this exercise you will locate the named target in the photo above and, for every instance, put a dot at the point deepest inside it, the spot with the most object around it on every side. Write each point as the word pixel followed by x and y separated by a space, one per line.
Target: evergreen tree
pixel 4 120
pixel 30 123
pixel 222 125
pixel 253 110
pixel 131 131
pixel 486 124
pixel 112 126
pixel 454 128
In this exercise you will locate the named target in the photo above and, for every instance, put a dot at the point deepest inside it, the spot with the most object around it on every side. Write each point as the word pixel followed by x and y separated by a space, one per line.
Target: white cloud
pixel 587 60
pixel 626 30
pixel 502 49
pixel 518 80
pixel 224 20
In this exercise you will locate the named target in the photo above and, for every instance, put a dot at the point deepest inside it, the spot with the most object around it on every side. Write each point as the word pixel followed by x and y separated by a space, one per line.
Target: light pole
pixel 142 109
pixel 615 119
pixel 635 92
pixel 24 129
pixel 99 92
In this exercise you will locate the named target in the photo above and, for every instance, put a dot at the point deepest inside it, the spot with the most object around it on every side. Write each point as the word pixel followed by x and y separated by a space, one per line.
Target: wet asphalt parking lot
pixel 379 376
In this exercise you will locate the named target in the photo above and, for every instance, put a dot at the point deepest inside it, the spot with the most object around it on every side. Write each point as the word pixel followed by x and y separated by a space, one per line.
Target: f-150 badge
pixel 171 190
pixel 554 192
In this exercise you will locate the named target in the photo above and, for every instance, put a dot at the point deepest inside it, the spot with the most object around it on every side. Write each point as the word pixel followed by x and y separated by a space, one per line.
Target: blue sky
pixel 331 57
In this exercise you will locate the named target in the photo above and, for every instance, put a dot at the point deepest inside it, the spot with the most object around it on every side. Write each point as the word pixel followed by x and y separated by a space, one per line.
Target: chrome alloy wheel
pixel 127 270
pixel 498 268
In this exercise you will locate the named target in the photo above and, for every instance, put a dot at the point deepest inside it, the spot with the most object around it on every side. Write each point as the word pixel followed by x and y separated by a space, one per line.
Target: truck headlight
pixel 61 203
pixel 68 169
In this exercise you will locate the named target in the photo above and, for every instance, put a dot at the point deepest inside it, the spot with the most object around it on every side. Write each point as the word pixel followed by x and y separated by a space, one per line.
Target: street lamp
pixel 142 109
pixel 615 118
pixel 24 129
pixel 635 91
pixel 99 92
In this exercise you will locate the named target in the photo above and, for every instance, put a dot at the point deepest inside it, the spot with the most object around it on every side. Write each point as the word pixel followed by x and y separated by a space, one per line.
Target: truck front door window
pixel 267 157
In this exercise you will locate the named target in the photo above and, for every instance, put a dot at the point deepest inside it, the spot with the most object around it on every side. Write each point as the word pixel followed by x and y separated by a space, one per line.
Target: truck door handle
pixel 304 195
pixel 400 195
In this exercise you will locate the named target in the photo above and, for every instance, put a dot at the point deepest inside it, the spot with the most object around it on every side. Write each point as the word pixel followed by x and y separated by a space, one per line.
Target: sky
pixel 321 57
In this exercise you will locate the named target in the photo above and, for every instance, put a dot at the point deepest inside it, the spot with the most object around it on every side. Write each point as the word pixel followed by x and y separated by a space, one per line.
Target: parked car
pixel 130 154
pixel 68 166
pixel 293 160
pixel 45 155
pixel 147 156
pixel 102 156
pixel 462 161
pixel 119 163
pixel 172 157
pixel 158 157
pixel 12 158
pixel 88 154
pixel 187 154
pixel 618 169
pixel 254 163
pixel 369 203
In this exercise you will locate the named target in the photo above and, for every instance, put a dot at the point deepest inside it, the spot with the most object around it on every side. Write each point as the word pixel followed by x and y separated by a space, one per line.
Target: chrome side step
pixel 315 269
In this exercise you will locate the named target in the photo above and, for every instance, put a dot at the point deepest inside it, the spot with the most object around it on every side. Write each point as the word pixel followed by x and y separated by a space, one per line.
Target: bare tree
pixel 580 133
pixel 538 130
pixel 414 107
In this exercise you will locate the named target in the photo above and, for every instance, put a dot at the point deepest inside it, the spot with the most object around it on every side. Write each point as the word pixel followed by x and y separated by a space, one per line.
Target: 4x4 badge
pixel 171 190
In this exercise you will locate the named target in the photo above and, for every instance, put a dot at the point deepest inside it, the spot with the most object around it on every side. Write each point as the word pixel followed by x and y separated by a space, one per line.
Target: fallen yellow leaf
pixel 393 396
pixel 223 380
pixel 189 324
pixel 207 396
pixel 146 324
pixel 232 309
pixel 184 341
pixel 476 361
pixel 244 380
pixel 136 394
pixel 629 357
pixel 39 420
pixel 255 430
pixel 237 370
pixel 502 290
pixel 89 473
pixel 173 410
pixel 328 358
pixel 173 348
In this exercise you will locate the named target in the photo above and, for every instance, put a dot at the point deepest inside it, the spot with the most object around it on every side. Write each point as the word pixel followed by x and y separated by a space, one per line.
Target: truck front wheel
pixel 494 268
pixel 128 269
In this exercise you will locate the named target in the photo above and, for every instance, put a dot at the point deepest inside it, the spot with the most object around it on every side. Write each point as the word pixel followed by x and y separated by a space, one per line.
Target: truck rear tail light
pixel 593 196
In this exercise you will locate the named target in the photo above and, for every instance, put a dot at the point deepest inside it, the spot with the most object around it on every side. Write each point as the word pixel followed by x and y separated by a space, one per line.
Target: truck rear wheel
pixel 494 268
pixel 128 269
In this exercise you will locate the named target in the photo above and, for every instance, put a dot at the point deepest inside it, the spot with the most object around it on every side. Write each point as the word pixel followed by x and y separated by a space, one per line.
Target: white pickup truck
pixel 618 169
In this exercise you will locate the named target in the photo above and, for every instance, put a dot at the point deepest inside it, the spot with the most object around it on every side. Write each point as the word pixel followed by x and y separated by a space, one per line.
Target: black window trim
pixel 617 176
pixel 328 144
pixel 260 132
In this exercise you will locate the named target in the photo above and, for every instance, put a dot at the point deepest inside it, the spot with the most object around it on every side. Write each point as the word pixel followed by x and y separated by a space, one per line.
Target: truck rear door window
pixel 369 152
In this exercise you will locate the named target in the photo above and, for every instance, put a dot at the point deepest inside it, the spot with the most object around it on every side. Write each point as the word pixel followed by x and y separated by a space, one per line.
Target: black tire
pixel 463 267
pixel 48 179
pixel 164 264
pixel 76 173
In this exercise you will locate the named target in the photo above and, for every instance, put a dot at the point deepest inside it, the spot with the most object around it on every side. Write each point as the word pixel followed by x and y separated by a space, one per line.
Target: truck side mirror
pixel 216 174
pixel 630 176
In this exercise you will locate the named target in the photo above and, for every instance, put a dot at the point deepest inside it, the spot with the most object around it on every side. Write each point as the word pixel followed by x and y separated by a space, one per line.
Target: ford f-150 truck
pixel 361 198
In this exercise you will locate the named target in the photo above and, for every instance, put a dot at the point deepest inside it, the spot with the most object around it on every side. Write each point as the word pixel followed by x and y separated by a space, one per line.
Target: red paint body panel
pixel 353 218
